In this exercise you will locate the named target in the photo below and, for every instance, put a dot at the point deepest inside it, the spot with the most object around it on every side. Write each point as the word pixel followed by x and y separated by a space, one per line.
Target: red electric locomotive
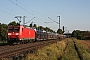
pixel 26 34
pixel 20 34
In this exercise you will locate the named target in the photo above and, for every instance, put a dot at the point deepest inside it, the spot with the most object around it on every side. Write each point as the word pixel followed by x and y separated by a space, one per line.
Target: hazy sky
pixel 75 14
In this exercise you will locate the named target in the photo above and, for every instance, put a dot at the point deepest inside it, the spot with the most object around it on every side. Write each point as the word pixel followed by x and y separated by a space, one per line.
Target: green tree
pixel 30 25
pixel 3 32
pixel 74 34
pixel 40 27
pixel 35 26
pixel 59 31
pixel 47 29
pixel 13 23
pixel 77 34
pixel 0 31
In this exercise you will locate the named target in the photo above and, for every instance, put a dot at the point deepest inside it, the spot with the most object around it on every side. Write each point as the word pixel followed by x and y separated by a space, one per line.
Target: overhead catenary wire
pixel 32 10
pixel 48 22
pixel 29 20
pixel 25 9
pixel 6 7
pixel 29 7
pixel 53 20
pixel 20 7
pixel 15 3
pixel 23 5
pixel 7 12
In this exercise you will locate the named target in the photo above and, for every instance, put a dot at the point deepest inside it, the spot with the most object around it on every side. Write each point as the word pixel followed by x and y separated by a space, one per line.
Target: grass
pixel 62 50
pixel 51 52
pixel 83 50
pixel 70 52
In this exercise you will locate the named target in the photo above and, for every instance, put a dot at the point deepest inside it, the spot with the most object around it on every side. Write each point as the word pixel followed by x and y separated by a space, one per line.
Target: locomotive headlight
pixel 17 34
pixel 9 34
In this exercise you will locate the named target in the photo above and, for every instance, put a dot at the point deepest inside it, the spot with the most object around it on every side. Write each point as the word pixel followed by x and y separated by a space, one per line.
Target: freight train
pixel 26 34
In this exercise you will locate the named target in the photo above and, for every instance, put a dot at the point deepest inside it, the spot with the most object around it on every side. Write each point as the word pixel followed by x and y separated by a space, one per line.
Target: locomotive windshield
pixel 15 29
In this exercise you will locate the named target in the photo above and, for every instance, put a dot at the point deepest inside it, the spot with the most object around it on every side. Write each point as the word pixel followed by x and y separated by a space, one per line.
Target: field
pixel 67 49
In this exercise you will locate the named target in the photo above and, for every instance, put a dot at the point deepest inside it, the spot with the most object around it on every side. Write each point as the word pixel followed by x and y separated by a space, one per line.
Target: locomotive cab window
pixel 10 29
pixel 15 29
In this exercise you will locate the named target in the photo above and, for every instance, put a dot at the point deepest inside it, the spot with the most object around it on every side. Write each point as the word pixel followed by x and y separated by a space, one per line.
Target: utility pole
pixel 59 21
pixel 24 19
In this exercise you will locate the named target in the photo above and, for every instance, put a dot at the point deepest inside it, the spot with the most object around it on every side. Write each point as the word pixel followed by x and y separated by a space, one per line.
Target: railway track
pixel 10 51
